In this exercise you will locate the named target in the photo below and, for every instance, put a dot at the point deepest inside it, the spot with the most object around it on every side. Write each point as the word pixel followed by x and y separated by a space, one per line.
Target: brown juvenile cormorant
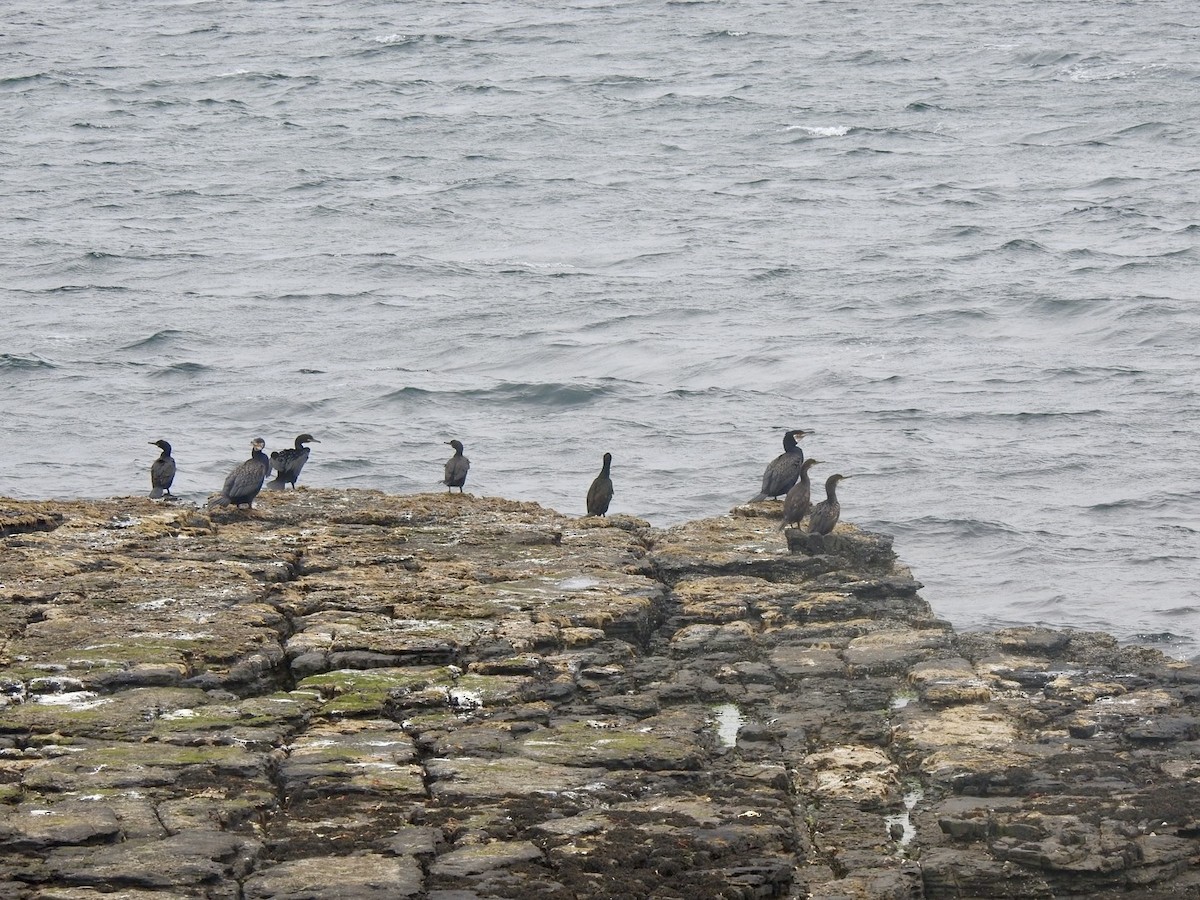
pixel 243 483
pixel 825 514
pixel 798 501
pixel 456 468
pixel 162 471
pixel 600 494
pixel 288 463
pixel 783 470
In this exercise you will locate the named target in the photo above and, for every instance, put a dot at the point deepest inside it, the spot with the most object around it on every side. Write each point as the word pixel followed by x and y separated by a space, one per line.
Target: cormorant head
pixel 306 438
pixel 257 444
pixel 457 445
pixel 607 459
pixel 790 437
pixel 163 446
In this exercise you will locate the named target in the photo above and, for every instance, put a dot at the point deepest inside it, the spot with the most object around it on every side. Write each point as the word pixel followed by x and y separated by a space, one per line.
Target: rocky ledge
pixel 345 694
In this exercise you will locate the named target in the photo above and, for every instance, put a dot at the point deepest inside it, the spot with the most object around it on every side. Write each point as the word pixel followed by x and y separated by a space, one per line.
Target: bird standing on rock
pixel 782 472
pixel 825 514
pixel 162 471
pixel 600 494
pixel 456 468
pixel 243 483
pixel 798 501
pixel 288 463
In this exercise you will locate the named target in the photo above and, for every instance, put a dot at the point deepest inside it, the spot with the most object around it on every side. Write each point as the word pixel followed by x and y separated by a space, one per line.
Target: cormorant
pixel 162 471
pixel 456 468
pixel 288 463
pixel 825 514
pixel 798 501
pixel 783 470
pixel 243 483
pixel 600 494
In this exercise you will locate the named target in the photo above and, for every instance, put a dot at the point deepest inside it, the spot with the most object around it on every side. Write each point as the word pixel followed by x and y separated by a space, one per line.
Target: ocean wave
pixel 821 130
pixel 12 362
pixel 158 339
pixel 87 289
pixel 1043 58
pixel 1140 504
pixel 22 81
pixel 1023 245
pixel 1100 71
pixel 1162 637
pixel 1029 417
pixel 398 39
pixel 958 527
pixel 184 369
pixel 774 273
pixel 267 77
pixel 551 394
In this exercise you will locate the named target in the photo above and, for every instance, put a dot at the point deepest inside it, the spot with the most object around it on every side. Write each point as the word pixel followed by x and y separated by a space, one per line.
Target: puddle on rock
pixel 729 721
pixel 904 820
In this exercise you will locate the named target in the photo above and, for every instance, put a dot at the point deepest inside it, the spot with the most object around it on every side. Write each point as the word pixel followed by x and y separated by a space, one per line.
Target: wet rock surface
pixel 349 694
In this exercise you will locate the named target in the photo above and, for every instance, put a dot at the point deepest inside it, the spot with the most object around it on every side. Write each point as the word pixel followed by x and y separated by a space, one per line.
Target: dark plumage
pixel 162 471
pixel 456 468
pixel 798 501
pixel 243 483
pixel 825 514
pixel 600 494
pixel 783 470
pixel 288 463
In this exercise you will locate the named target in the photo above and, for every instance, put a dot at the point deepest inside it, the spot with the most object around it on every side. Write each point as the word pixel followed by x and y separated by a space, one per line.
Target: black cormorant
pixel 456 468
pixel 288 463
pixel 798 501
pixel 600 494
pixel 825 514
pixel 243 483
pixel 162 471
pixel 781 473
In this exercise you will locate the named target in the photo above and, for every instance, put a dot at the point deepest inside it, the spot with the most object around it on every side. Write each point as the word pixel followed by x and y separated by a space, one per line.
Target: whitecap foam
pixel 822 130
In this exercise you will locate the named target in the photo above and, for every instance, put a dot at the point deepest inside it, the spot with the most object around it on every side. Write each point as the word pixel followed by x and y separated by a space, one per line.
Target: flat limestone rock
pixel 474 859
pixel 344 693
pixel 37 827
pixel 367 877
pixel 190 859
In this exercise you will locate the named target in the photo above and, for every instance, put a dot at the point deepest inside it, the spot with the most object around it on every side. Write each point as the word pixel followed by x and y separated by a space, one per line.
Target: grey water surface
pixel 959 240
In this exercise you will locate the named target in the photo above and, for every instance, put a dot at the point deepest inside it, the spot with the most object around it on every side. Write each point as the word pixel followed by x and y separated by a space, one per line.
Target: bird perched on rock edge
pixel 798 501
pixel 456 468
pixel 289 461
pixel 781 472
pixel 244 482
pixel 825 514
pixel 162 471
pixel 600 494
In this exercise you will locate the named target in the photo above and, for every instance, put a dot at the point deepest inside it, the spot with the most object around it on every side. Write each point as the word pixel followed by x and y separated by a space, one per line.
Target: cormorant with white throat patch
pixel 783 471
